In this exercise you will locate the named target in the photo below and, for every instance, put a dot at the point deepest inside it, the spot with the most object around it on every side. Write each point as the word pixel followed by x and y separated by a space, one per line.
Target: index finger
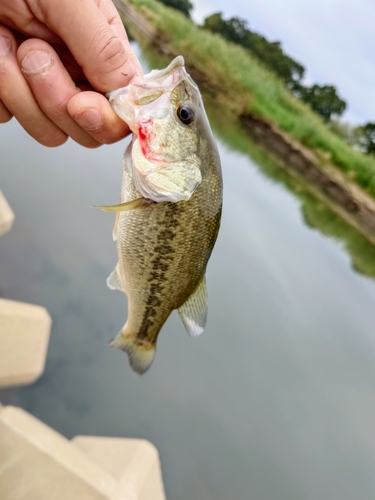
pixel 94 36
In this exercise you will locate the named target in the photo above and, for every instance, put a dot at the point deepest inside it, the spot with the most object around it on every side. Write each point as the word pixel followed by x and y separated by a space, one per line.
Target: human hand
pixel 57 57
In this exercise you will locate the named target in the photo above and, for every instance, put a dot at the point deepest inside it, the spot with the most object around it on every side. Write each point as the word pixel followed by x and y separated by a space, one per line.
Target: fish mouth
pixel 178 62
pixel 114 93
pixel 156 87
pixel 153 76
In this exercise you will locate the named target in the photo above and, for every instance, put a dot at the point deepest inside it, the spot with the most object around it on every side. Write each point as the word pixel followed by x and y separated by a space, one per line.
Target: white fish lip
pixel 178 62
pixel 114 93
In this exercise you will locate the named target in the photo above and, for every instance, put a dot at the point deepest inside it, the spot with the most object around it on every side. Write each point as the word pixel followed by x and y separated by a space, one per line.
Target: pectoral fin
pixel 129 205
pixel 193 312
pixel 114 280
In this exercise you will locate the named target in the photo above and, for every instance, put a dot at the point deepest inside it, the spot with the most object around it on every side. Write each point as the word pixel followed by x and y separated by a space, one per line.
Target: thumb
pixel 94 34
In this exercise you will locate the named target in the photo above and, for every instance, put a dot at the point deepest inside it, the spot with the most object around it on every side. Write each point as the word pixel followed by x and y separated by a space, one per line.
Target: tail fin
pixel 141 354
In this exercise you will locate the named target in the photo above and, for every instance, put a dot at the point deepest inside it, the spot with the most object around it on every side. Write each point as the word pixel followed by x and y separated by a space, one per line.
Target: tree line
pixel 323 99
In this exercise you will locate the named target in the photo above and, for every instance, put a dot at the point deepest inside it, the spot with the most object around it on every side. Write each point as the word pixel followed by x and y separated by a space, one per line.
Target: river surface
pixel 275 401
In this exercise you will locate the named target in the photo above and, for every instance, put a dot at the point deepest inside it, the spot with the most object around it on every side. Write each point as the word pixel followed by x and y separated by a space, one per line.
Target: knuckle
pixel 112 54
pixel 7 55
pixel 5 114
pixel 55 109
pixel 90 144
pixel 5 118
pixel 53 140
pixel 5 32
pixel 47 134
pixel 41 9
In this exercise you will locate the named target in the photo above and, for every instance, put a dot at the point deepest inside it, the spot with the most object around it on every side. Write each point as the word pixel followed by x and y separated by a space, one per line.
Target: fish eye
pixel 185 114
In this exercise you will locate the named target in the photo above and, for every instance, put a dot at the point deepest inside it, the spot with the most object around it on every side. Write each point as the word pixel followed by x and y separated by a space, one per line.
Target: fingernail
pixel 5 46
pixel 90 119
pixel 35 62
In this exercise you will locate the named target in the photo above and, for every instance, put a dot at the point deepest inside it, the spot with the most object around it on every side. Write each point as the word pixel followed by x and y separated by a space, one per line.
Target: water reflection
pixel 276 400
pixel 317 214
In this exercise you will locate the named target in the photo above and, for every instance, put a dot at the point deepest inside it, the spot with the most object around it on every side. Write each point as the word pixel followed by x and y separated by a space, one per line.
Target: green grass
pixel 243 84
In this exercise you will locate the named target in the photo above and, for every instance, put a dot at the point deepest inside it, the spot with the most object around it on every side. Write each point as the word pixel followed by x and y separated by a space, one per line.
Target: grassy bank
pixel 242 83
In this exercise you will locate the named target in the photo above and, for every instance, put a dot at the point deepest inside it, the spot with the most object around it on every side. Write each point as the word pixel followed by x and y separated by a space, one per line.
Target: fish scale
pixel 177 255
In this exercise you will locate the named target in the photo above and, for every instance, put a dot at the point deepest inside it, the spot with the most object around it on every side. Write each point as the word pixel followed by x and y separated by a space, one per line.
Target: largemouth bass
pixel 169 215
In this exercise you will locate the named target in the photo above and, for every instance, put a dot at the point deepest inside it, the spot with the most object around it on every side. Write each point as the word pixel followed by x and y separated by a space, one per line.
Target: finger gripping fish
pixel 169 215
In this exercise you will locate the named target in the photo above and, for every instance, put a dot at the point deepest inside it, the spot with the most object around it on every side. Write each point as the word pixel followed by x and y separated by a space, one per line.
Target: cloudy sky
pixel 333 39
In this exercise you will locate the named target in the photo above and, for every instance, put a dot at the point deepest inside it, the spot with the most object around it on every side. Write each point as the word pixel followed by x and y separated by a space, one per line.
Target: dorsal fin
pixel 193 312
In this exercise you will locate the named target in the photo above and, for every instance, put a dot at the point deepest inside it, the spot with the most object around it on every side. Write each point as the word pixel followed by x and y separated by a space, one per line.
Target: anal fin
pixel 193 312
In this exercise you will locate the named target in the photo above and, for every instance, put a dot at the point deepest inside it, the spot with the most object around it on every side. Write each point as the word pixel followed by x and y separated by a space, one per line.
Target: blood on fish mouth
pixel 145 134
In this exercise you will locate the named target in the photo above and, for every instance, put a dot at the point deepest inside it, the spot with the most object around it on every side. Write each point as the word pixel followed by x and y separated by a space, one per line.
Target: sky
pixel 333 39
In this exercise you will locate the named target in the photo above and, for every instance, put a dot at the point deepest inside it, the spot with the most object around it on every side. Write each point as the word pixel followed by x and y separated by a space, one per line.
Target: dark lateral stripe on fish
pixel 163 256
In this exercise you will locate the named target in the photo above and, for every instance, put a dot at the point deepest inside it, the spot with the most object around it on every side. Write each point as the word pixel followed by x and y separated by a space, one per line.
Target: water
pixel 275 401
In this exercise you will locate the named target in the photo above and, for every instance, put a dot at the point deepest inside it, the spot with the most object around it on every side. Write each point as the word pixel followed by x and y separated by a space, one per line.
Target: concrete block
pixel 6 215
pixel 37 463
pixel 133 462
pixel 24 336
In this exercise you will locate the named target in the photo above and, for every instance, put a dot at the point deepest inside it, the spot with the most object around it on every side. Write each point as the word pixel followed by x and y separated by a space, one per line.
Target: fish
pixel 169 213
